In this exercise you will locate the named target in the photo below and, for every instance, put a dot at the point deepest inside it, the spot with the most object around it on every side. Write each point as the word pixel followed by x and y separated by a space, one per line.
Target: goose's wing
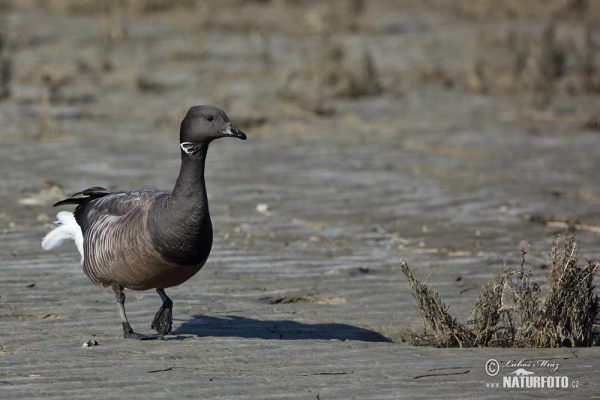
pixel 112 224
pixel 96 202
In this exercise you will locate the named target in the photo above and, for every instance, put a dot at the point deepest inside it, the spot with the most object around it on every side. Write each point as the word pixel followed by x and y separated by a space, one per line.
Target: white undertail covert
pixel 67 229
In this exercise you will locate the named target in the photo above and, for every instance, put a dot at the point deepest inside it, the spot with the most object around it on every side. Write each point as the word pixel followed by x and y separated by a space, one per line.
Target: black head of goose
pixel 148 238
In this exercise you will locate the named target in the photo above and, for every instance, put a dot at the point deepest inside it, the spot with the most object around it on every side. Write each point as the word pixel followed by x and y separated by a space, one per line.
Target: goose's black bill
pixel 233 131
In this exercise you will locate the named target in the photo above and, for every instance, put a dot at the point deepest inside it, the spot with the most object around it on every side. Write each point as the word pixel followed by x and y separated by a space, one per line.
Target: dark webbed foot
pixel 128 333
pixel 163 320
pixel 141 336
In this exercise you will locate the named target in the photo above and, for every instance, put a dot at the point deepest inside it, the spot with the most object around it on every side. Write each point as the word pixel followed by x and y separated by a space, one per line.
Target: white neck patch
pixel 189 148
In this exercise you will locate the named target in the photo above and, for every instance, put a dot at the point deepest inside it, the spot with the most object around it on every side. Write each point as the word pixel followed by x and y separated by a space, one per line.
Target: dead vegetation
pixel 6 58
pixel 327 57
pixel 536 65
pixel 332 70
pixel 555 53
pixel 512 9
pixel 330 73
pixel 53 82
pixel 512 310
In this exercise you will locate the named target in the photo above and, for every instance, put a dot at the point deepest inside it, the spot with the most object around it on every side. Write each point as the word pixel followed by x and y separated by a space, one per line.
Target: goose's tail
pixel 67 229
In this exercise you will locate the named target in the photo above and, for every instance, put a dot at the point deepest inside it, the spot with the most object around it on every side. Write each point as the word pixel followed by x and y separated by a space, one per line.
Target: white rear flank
pixel 67 229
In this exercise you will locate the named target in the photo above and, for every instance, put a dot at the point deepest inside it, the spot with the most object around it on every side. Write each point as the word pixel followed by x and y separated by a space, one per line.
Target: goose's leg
pixel 127 329
pixel 163 320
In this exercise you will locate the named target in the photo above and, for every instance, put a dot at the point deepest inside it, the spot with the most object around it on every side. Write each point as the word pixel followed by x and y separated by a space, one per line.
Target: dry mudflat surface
pixel 302 296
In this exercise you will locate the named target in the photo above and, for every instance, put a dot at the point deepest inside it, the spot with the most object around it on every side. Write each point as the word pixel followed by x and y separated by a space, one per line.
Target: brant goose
pixel 148 238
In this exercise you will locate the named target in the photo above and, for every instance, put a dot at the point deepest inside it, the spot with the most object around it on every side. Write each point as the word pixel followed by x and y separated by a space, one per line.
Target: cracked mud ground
pixel 302 296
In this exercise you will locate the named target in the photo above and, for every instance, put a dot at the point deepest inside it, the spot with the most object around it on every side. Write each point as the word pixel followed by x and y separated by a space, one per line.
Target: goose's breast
pixel 119 249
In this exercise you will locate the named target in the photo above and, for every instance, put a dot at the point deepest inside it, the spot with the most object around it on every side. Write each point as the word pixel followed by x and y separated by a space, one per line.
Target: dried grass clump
pixel 505 308
pixel 362 81
pixel 6 59
pixel 510 310
pixel 330 73
pixel 322 17
pixel 446 330
pixel 587 62
pixel 536 65
pixel 570 307
pixel 500 9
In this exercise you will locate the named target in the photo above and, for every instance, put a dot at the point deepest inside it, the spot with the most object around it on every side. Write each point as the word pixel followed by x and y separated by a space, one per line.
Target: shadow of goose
pixel 242 327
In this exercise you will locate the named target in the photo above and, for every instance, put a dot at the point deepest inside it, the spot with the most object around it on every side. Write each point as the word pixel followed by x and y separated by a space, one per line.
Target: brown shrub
pixel 510 311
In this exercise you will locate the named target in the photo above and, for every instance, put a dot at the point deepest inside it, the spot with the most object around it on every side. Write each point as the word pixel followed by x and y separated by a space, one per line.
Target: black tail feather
pixel 84 196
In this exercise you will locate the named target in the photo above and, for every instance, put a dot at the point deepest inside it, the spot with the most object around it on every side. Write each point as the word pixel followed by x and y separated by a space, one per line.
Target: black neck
pixel 190 183
pixel 181 226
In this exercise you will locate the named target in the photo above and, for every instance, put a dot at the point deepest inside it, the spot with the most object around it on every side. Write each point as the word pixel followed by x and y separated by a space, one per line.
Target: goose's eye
pixel 210 118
